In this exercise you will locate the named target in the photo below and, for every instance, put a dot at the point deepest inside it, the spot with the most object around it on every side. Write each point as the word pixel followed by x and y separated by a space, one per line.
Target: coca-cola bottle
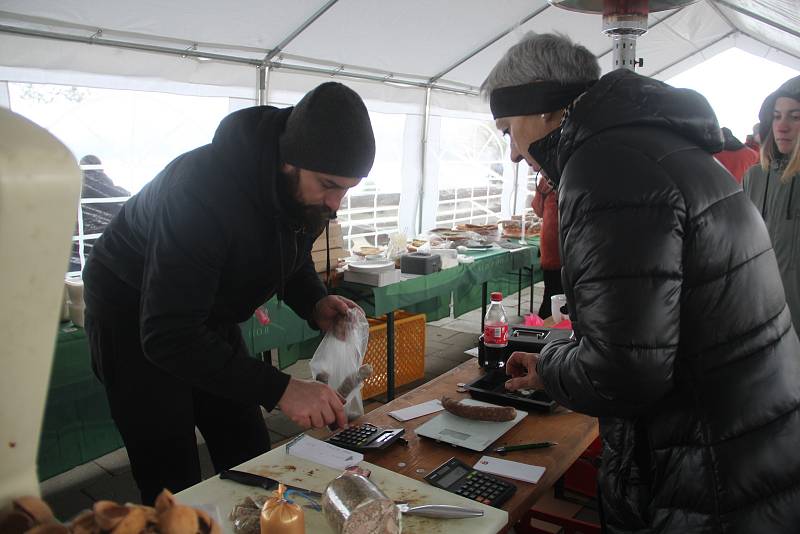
pixel 495 334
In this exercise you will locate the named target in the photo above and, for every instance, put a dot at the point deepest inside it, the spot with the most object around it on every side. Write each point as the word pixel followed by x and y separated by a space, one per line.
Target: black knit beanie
pixel 329 131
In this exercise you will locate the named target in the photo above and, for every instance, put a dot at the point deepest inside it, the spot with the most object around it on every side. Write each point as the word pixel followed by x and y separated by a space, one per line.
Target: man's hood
pixel 624 98
pixel 246 142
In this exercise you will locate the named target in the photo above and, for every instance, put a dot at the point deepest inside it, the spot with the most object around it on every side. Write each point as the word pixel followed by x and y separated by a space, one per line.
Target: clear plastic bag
pixel 337 360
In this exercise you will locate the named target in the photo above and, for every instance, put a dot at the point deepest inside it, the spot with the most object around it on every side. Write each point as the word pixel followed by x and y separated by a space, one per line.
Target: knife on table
pixel 249 479
pixel 442 511
pixel 439 511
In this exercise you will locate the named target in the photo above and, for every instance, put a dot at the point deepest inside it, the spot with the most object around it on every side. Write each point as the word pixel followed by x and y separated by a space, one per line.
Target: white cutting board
pixel 219 495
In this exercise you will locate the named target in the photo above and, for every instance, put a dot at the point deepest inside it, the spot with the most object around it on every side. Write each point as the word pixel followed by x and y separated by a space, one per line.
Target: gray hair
pixel 542 57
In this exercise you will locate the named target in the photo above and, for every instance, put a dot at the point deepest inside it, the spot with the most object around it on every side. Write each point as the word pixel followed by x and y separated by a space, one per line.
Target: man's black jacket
pixel 198 249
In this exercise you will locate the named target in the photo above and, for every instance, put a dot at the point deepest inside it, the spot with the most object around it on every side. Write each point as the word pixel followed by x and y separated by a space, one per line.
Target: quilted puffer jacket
pixel 684 347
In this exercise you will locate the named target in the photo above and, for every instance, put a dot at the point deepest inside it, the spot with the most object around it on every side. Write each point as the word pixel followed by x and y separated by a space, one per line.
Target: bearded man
pixel 212 237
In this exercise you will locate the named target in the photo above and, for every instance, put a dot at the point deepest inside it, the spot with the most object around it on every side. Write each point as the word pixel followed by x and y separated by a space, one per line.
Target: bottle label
pixel 262 315
pixel 495 334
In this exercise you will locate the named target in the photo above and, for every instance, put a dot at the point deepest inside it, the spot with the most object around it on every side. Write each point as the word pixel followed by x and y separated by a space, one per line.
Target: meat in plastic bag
pixel 338 362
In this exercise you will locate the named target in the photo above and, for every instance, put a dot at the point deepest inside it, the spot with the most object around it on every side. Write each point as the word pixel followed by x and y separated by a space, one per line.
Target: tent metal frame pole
pixel 487 44
pixel 386 77
pixel 261 85
pixel 300 29
pixel 423 159
pixel 95 40
pixel 267 77
pixel 516 187
pixel 373 78
pixel 684 58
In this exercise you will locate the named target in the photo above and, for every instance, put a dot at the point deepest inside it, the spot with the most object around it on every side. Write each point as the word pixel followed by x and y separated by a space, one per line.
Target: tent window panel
pixel 370 211
pixel 134 133
pixel 531 179
pixel 121 138
pixel 81 248
pixel 471 177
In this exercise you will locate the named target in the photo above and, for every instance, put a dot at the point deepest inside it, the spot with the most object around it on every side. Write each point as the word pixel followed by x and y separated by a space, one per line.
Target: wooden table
pixel 572 431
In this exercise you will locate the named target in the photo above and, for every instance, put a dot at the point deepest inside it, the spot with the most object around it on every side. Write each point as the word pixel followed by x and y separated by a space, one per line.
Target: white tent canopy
pixel 449 44
pixel 424 59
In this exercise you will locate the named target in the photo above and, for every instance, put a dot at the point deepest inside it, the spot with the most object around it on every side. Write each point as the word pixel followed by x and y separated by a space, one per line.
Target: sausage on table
pixel 479 413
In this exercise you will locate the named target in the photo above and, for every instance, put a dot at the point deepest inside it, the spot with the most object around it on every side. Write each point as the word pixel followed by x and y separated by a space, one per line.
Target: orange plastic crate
pixel 409 353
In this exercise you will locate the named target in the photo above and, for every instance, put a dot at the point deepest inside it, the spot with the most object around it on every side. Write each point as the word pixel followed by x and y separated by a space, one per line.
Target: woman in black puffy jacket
pixel 684 346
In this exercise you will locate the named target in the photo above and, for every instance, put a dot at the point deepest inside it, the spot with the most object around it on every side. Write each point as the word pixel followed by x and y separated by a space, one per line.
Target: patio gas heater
pixel 624 21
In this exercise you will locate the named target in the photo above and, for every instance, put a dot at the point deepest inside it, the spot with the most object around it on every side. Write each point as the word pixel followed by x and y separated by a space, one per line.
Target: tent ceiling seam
pixel 758 17
pixel 771 46
pixel 692 54
pixel 489 43
pixel 297 31
pixel 725 17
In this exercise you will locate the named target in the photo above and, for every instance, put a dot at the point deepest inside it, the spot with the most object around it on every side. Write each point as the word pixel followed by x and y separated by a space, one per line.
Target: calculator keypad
pixel 483 488
pixel 474 485
pixel 355 436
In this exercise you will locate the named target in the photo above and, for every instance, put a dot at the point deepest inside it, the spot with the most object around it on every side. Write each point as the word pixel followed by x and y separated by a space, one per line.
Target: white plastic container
pixel 75 300
pixel 556 303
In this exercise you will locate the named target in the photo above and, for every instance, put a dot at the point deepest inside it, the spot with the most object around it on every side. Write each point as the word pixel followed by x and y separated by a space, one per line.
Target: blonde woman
pixel 773 187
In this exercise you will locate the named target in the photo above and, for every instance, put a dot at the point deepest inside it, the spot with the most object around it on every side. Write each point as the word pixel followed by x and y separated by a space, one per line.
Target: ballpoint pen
pixel 525 446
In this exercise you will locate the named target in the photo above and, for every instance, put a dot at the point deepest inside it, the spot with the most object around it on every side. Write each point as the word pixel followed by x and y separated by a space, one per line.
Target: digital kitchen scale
pixel 467 433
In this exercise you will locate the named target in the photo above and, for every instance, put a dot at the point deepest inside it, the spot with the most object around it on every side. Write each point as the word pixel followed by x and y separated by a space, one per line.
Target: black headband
pixel 534 98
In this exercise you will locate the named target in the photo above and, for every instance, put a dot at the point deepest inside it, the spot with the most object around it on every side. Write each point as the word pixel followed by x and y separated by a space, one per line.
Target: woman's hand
pixel 521 366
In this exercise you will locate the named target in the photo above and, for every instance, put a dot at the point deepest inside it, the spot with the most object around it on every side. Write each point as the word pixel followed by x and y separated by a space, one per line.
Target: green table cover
pixel 77 425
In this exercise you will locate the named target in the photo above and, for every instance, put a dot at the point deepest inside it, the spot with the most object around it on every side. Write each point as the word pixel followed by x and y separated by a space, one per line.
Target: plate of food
pixel 513 228
pixel 368 251
pixel 482 229
pixel 415 244
pixel 452 234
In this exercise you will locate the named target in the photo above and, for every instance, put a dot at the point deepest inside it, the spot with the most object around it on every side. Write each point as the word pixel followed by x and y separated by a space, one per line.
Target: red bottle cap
pixel 497 296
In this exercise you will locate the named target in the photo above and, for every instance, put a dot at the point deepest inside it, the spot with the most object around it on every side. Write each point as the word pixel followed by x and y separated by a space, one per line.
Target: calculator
pixel 457 477
pixel 365 437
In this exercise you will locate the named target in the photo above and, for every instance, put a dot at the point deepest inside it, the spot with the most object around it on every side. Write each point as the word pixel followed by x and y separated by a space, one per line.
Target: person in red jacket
pixel 545 205
pixel 736 157
pixel 753 141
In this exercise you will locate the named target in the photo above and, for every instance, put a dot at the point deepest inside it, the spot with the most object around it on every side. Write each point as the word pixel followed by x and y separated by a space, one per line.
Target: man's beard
pixel 313 218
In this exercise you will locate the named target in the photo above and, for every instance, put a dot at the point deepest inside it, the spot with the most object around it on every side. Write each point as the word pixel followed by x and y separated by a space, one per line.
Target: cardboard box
pixel 336 240
pixel 320 266
pixel 320 256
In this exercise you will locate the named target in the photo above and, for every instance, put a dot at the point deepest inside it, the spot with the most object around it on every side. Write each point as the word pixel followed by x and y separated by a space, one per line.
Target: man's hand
pixel 312 404
pixel 330 313
pixel 522 368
